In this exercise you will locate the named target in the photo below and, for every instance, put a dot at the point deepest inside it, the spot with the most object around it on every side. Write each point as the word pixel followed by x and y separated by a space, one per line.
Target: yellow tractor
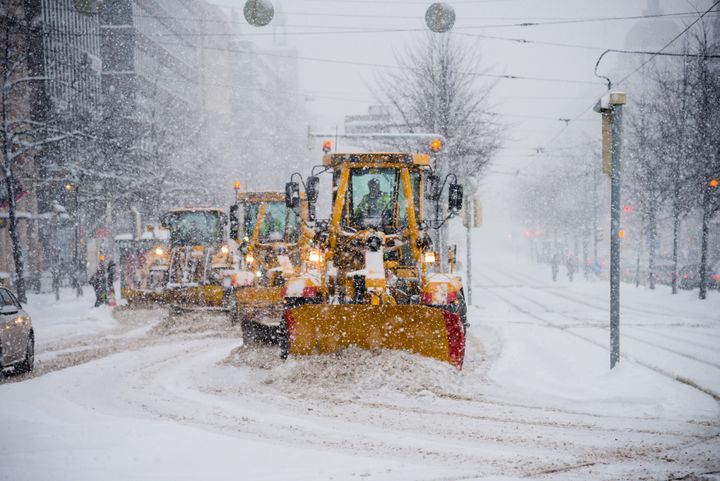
pixel 198 259
pixel 271 240
pixel 372 279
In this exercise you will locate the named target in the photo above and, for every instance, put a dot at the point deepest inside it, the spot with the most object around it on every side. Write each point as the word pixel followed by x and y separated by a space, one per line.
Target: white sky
pixel 531 109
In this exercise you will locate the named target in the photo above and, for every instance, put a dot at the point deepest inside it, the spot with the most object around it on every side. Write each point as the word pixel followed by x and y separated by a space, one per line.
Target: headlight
pixel 429 257
pixel 158 251
pixel 249 258
pixel 224 249
pixel 314 256
pixel 258 273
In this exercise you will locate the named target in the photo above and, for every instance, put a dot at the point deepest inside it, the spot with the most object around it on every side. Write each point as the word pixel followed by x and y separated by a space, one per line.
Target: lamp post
pixel 77 284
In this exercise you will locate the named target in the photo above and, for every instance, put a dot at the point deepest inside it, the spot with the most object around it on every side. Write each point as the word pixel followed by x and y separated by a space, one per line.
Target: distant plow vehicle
pixel 271 241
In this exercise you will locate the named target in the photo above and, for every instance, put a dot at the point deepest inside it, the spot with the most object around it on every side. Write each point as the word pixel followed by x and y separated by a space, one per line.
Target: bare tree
pixel 21 133
pixel 436 90
pixel 646 172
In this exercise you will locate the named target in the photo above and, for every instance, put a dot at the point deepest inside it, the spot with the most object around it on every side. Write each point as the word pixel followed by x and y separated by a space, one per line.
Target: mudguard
pixel 428 331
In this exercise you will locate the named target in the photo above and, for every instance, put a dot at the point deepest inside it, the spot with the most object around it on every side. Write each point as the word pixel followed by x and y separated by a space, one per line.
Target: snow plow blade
pixel 428 331
pixel 197 296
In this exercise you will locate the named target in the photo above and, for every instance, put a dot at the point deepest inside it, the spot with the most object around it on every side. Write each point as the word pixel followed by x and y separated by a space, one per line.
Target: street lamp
pixel 258 12
pixel 440 17
pixel 70 187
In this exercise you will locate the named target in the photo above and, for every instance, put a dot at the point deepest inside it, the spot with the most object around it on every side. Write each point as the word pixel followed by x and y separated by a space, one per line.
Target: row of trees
pixel 673 147
pixel 672 163
pixel 100 154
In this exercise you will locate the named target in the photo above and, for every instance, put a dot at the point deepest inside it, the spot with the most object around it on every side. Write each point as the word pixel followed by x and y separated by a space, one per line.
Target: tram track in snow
pixel 583 322
pixel 634 359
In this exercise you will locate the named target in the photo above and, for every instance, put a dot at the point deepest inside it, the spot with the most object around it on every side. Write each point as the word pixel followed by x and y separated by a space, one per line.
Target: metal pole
pixel 469 219
pixel 615 236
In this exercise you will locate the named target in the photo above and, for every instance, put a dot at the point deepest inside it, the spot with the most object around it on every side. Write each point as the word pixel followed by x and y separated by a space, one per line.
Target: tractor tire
pixel 253 333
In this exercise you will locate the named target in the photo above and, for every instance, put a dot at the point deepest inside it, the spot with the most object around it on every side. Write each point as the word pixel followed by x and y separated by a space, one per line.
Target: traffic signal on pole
pixel 436 145
pixel 713 183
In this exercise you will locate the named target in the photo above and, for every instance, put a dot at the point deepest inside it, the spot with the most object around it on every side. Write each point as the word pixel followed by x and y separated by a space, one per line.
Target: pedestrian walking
pixel 555 265
pixel 571 264
pixel 111 275
pixel 99 283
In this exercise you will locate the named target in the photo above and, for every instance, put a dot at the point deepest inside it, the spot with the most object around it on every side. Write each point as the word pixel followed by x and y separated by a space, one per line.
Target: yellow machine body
pixel 379 288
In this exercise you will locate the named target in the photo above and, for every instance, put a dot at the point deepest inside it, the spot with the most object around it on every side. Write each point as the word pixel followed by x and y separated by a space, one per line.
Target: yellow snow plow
pixel 198 258
pixel 271 240
pixel 371 279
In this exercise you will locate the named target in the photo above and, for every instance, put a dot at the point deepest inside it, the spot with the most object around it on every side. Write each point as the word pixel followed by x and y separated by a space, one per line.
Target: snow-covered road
pixel 135 396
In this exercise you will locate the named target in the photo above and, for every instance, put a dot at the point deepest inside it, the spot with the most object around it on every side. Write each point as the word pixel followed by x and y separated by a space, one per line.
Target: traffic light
pixel 327 146
pixel 713 183
pixel 627 208
pixel 436 145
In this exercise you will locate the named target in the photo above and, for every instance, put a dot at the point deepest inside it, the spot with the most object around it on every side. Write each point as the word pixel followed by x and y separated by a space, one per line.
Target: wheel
pixel 29 362
pixel 253 333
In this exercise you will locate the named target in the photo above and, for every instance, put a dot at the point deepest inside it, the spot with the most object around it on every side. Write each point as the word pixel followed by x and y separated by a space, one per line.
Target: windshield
pixel 273 224
pixel 374 196
pixel 195 227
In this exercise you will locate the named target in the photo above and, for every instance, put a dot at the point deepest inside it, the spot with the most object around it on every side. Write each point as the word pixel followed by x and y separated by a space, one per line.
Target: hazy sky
pixel 375 31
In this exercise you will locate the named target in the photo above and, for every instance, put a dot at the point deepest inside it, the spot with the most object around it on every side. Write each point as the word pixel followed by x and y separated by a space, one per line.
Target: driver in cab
pixel 375 204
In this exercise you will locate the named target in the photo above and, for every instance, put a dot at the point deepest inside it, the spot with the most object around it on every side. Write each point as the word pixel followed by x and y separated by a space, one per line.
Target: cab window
pixel 370 198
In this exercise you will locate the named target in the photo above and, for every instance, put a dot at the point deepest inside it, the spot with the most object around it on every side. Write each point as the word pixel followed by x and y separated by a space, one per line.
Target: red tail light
pixel 685 276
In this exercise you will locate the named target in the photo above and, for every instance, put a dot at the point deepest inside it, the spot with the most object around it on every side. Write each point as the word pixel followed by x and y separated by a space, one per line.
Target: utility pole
pixel 611 108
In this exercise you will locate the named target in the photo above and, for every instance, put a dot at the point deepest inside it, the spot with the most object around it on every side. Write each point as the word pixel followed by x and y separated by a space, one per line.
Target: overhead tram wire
pixel 397 67
pixel 556 21
pixel 655 54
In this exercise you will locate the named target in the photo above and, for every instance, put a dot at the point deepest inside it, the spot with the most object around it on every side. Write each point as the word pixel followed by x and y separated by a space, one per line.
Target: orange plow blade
pixel 427 331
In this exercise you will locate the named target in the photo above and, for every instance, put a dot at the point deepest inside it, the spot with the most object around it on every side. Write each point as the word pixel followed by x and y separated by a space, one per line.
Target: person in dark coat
pixel 99 283
pixel 111 274
pixel 571 264
pixel 555 265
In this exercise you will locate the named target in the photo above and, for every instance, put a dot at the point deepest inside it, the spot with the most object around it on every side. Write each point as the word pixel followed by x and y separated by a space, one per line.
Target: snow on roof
pixel 124 237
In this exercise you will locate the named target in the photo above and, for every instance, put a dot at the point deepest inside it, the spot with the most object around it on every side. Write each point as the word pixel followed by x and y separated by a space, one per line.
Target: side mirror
pixel 432 191
pixel 292 195
pixel 455 198
pixel 234 221
pixel 311 188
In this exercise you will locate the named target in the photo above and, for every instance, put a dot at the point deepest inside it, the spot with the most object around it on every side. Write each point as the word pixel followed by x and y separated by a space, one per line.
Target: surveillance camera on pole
pixel 440 17
pixel 259 12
